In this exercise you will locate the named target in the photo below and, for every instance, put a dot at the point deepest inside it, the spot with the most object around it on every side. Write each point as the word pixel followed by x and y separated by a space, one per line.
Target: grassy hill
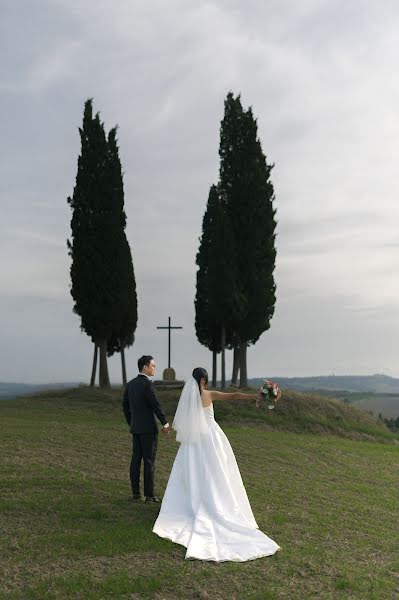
pixel 68 531
pixel 310 413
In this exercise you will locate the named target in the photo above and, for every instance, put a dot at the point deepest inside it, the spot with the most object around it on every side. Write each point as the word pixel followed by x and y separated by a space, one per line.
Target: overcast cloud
pixel 322 79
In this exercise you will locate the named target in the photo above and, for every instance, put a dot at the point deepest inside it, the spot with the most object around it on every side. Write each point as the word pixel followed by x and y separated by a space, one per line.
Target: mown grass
pixel 68 531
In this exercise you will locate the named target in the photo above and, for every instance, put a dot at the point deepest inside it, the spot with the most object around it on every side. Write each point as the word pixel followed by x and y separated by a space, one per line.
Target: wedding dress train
pixel 205 507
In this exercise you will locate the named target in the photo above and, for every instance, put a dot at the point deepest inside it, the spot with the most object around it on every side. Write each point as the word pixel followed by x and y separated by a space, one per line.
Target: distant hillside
pixel 9 391
pixel 376 384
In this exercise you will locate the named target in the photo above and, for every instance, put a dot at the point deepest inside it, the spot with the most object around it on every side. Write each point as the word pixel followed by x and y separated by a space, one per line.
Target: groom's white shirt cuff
pixel 166 424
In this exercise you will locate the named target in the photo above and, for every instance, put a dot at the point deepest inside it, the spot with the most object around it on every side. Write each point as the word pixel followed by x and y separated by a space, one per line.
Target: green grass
pixel 322 479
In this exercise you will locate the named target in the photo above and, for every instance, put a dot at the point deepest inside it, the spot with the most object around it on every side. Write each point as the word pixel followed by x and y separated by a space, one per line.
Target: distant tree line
pixel 235 287
pixel 103 284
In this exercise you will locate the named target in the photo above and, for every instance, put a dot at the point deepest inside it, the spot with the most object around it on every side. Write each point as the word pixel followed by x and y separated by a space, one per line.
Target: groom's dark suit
pixel 139 406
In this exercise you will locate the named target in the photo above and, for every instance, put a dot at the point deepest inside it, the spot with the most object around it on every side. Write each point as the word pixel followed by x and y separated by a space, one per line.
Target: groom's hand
pixel 166 429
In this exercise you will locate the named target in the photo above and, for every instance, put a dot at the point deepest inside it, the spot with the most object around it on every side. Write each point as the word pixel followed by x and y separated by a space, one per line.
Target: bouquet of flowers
pixel 271 392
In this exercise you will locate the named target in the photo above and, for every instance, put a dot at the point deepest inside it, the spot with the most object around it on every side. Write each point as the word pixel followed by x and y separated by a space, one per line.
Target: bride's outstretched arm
pixel 232 395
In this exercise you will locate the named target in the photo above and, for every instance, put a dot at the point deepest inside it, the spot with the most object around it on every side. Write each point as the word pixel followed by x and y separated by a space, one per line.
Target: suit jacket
pixel 139 405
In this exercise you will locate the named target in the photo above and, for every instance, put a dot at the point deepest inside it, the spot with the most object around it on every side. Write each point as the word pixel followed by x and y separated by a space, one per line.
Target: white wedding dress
pixel 205 507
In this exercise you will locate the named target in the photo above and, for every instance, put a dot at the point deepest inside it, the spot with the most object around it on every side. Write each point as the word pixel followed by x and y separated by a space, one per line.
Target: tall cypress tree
pixel 216 303
pixel 125 308
pixel 225 299
pixel 97 247
pixel 249 195
pixel 85 249
pixel 208 330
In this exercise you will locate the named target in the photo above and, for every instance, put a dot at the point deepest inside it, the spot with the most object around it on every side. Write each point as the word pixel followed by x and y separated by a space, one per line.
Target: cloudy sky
pixel 322 78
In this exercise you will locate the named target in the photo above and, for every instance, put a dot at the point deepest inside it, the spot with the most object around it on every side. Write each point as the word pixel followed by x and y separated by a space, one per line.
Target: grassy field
pixel 322 482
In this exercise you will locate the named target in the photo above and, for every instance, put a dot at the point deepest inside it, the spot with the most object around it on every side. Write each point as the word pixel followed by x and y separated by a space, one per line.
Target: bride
pixel 205 507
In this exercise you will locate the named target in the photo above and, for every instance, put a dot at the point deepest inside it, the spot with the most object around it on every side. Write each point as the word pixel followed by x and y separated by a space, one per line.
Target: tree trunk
pixel 223 385
pixel 236 365
pixel 103 377
pixel 243 365
pixel 214 368
pixel 94 369
pixel 124 380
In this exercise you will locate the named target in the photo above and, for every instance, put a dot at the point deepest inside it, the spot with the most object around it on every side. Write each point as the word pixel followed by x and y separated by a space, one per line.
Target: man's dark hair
pixel 144 360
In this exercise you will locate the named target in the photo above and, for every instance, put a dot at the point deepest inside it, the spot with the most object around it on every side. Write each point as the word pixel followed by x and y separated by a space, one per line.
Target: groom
pixel 139 406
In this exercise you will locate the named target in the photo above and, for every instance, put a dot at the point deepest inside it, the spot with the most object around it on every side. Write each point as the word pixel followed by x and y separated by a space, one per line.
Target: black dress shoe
pixel 152 499
pixel 136 498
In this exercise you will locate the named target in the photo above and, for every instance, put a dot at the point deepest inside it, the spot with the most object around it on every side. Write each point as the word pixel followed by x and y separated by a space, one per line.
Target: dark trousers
pixel 144 449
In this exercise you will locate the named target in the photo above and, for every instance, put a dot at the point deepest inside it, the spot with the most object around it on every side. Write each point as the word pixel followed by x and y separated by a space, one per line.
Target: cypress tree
pixel 248 194
pixel 216 302
pixel 125 308
pixel 83 249
pixel 208 330
pixel 224 294
pixel 97 247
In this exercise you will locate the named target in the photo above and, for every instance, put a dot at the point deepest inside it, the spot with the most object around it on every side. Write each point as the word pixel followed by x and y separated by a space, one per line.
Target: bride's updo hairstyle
pixel 200 373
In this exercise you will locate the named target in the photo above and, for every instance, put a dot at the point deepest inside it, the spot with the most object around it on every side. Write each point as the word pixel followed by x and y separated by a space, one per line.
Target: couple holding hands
pixel 205 506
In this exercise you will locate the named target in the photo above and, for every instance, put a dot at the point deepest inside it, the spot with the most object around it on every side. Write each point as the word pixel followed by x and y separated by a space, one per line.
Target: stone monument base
pixel 169 381
pixel 169 374
pixel 161 384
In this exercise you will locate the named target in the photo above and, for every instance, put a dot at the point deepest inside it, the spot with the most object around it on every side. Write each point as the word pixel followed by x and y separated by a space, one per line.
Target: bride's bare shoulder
pixel 206 398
